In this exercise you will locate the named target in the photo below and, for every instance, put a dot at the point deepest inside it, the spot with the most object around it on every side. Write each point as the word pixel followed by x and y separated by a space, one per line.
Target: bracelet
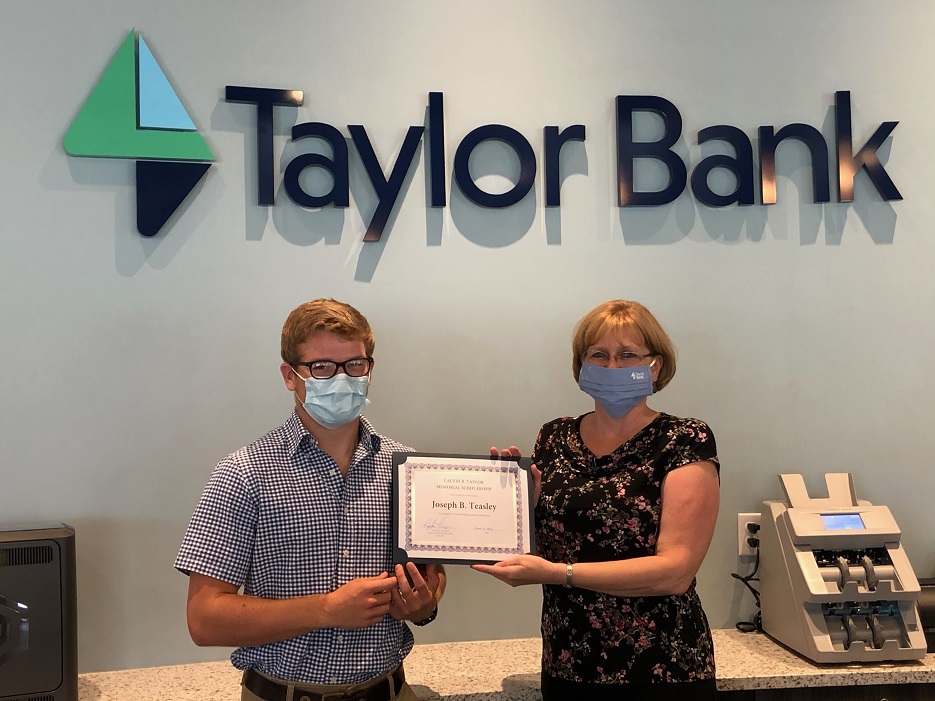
pixel 569 575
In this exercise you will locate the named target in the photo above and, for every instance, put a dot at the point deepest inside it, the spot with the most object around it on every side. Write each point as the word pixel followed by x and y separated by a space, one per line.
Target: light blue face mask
pixel 337 400
pixel 617 390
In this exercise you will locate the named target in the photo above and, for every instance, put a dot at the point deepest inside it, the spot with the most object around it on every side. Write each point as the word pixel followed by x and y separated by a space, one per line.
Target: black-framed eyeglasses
pixel 326 369
pixel 626 359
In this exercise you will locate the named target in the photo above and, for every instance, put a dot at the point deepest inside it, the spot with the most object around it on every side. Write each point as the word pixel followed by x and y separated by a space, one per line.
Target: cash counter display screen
pixel 842 522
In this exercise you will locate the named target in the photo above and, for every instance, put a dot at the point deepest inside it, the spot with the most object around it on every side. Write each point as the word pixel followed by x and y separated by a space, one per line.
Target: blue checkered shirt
pixel 278 518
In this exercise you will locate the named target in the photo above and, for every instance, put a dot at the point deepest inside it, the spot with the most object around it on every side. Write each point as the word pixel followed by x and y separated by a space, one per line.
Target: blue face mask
pixel 617 390
pixel 337 400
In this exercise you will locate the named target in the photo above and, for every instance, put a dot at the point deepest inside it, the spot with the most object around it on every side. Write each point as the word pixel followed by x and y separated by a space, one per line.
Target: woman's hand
pixel 525 569
pixel 514 452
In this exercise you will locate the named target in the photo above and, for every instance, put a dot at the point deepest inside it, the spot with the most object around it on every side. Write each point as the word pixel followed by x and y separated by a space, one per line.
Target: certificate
pixel 460 508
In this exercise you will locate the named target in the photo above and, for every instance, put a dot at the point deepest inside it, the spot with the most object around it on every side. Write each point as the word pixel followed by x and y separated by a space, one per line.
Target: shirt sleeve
pixel 220 536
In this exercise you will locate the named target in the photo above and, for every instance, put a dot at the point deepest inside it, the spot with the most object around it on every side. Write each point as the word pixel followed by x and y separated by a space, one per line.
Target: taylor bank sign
pixel 134 113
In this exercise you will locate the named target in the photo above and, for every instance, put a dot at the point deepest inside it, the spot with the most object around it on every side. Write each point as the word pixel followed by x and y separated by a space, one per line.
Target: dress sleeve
pixel 541 448
pixel 691 441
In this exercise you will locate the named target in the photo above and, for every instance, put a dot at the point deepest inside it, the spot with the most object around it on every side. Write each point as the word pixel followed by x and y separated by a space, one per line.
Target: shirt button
pixel 346 511
pixel 334 680
pixel 347 553
pixel 340 638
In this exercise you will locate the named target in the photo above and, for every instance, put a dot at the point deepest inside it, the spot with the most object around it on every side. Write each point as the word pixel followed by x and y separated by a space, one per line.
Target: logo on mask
pixel 133 112
pixel 637 375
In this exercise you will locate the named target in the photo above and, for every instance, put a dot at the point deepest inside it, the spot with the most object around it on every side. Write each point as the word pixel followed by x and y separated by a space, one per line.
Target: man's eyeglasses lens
pixel 326 369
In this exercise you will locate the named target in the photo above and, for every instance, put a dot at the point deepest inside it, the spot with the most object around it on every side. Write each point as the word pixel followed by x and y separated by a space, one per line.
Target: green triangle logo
pixel 108 124
pixel 171 156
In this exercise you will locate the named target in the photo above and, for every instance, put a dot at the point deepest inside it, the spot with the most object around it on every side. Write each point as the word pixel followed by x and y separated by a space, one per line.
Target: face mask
pixel 337 400
pixel 617 390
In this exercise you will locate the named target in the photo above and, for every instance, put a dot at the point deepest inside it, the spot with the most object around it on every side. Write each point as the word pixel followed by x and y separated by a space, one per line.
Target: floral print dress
pixel 594 509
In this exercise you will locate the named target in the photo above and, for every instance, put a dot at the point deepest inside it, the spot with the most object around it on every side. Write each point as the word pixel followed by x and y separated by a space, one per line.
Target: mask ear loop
pixel 296 394
pixel 298 377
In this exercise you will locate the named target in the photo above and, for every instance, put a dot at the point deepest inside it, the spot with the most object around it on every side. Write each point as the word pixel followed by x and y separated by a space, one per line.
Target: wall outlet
pixel 744 549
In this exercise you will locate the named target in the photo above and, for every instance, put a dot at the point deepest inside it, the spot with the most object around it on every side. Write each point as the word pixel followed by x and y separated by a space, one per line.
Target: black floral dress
pixel 594 509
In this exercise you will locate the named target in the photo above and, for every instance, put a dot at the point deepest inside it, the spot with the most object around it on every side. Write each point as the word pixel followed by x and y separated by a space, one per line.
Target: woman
pixel 625 513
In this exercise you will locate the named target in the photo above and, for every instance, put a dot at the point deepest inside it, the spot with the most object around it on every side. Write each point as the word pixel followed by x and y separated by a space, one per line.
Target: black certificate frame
pixel 401 554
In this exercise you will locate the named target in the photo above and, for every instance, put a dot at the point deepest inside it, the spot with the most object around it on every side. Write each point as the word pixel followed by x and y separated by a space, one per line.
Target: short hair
pixel 617 315
pixel 328 315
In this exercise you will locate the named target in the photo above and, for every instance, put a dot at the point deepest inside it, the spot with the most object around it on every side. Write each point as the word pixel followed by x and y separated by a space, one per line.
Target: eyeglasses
pixel 326 369
pixel 626 359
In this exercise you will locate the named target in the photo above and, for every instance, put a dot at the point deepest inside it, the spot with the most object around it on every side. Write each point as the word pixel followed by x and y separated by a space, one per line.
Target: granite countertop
pixel 509 669
pixel 489 669
pixel 754 661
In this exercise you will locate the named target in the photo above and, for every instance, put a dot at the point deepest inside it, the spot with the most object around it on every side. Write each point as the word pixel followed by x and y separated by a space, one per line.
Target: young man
pixel 301 520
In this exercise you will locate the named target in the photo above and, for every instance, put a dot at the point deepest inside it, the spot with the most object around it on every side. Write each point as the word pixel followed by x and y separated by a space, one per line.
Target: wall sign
pixel 133 112
pixel 742 164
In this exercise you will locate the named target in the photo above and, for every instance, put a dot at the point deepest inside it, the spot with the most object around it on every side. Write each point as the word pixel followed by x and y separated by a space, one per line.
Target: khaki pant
pixel 404 693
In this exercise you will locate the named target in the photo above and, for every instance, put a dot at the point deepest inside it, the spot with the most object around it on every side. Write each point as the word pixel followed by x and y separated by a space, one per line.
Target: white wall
pixel 131 366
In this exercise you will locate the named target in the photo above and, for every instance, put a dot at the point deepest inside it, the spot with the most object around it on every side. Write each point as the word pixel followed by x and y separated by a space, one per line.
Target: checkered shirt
pixel 278 518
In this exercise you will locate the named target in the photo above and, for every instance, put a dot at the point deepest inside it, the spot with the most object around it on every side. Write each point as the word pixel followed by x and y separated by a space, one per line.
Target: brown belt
pixel 270 690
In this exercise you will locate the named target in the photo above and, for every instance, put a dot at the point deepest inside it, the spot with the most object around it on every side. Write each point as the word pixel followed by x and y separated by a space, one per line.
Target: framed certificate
pixel 461 509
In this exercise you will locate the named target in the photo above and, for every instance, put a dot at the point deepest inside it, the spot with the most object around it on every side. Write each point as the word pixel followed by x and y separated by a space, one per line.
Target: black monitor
pixel 38 614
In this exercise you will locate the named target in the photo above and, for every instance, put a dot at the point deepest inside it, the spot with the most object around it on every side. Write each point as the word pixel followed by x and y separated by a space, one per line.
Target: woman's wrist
pixel 560 574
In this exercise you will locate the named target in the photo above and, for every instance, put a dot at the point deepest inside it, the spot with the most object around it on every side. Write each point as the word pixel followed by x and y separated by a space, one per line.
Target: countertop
pixel 509 669
pixel 754 661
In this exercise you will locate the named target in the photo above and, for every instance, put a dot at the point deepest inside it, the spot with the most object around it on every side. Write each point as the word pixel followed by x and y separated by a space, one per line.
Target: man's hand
pixel 415 601
pixel 360 603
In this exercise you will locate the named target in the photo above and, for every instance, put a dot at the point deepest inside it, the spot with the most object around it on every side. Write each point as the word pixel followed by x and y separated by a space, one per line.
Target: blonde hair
pixel 616 316
pixel 323 315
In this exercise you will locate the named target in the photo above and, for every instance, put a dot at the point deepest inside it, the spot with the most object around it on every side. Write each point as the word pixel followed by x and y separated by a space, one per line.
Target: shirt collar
pixel 367 438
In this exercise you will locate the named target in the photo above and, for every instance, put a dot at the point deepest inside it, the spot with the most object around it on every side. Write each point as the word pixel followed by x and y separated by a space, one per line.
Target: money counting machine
pixel 835 582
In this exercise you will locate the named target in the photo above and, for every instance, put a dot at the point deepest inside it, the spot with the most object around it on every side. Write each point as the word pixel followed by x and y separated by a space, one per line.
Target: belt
pixel 270 690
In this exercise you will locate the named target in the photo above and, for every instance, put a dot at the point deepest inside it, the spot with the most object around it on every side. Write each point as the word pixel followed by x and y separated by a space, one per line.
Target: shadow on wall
pixel 494 168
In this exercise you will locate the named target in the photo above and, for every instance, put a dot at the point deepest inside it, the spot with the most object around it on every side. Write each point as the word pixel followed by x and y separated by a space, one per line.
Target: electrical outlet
pixel 743 548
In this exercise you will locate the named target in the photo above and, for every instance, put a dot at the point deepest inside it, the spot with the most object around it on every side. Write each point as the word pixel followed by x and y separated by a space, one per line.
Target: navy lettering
pixel 866 158
pixel 554 140
pixel 437 148
pixel 741 166
pixel 527 163
pixel 264 99
pixel 387 190
pixel 337 166
pixel 629 150
pixel 817 147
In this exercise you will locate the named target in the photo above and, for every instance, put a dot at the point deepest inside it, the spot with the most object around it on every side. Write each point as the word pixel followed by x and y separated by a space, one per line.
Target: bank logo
pixel 133 112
